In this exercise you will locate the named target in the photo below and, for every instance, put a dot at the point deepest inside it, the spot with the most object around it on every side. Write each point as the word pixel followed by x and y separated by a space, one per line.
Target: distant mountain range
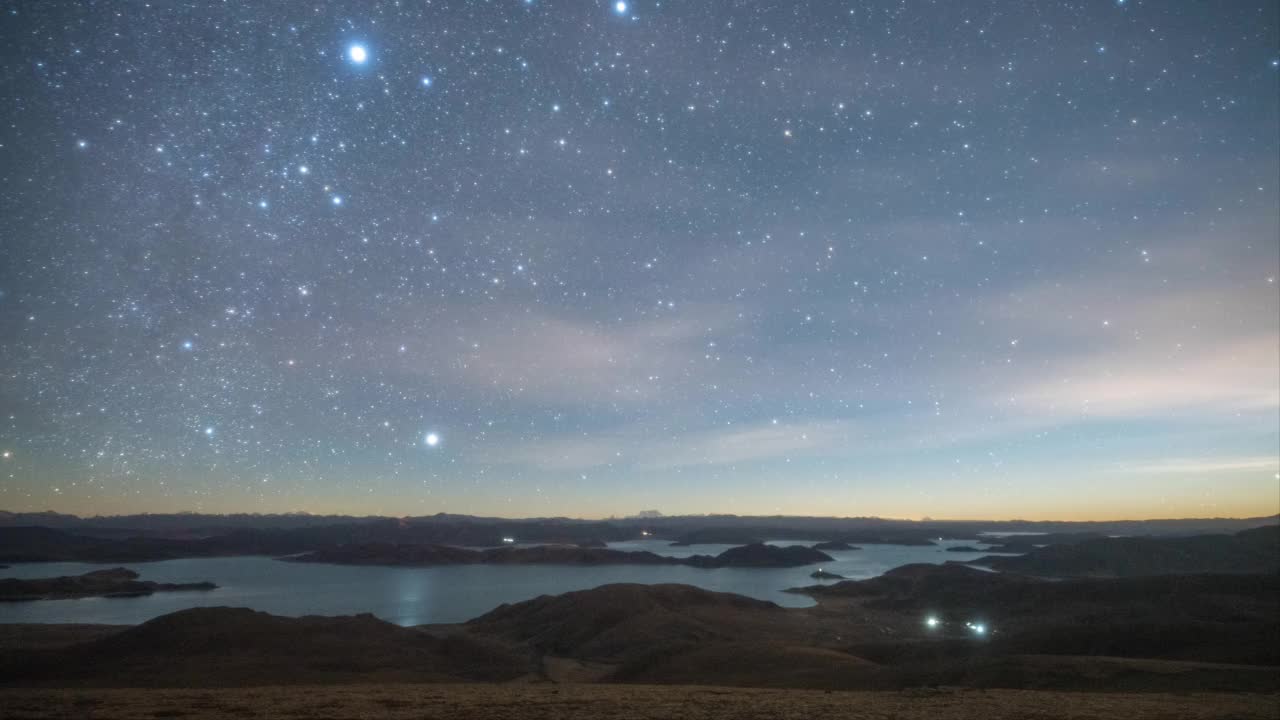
pixel 701 528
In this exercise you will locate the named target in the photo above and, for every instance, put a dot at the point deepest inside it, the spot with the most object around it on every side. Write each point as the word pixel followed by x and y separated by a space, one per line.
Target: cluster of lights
pixel 977 628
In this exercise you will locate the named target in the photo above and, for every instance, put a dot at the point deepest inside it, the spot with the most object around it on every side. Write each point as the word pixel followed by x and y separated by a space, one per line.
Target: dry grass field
pixel 617 702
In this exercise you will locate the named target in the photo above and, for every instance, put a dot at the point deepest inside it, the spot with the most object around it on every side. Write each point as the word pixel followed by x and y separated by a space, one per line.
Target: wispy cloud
pixel 1146 381
pixel 1155 339
pixel 649 450
pixel 1206 466
pixel 554 358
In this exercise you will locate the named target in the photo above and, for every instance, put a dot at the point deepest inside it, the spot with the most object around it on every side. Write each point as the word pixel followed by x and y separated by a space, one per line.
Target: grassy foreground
pixel 619 702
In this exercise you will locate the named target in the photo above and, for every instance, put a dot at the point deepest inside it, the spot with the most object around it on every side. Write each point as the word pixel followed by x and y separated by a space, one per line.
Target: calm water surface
pixel 413 596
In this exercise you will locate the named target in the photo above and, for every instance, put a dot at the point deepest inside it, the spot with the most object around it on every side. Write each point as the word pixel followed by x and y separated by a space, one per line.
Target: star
pixel 796 220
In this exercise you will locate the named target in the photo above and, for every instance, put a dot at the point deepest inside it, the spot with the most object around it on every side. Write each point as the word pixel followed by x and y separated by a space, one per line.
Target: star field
pixel 541 257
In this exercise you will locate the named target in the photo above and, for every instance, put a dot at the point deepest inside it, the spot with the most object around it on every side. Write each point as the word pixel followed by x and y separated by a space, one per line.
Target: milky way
pixel 953 259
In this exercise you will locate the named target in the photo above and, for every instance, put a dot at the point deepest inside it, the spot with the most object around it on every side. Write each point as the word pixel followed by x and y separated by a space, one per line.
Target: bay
pixel 445 594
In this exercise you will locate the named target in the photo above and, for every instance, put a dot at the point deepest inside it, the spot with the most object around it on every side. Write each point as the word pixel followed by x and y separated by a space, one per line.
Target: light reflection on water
pixel 412 596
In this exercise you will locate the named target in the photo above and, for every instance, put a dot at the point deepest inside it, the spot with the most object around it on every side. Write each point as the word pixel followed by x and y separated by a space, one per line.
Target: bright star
pixel 358 54
pixel 620 7
pixel 337 200
pixel 426 82
pixel 432 439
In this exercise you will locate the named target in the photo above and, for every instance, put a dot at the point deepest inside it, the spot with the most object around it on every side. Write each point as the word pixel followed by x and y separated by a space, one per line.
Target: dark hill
pixel 1213 618
pixel 861 636
pixel 918 585
pixel 622 620
pixel 237 646
pixel 746 534
pixel 761 555
pixel 572 555
pixel 38 544
pixel 1027 543
pixel 1249 551
pixel 378 553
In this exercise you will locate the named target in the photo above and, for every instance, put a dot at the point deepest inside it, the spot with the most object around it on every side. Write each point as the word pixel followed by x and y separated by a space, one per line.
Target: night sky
pixel 952 259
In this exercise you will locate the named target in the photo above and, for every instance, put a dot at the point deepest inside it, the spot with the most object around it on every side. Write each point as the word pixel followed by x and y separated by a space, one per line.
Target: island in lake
pixel 114 583
pixel 753 555
pixel 835 545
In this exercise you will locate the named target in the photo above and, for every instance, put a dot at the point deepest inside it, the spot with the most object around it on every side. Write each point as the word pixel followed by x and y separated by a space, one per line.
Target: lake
pixel 445 594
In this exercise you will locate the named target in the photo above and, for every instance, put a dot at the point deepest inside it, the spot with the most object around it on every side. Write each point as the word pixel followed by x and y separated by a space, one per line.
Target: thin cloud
pixel 639 448
pixel 1207 466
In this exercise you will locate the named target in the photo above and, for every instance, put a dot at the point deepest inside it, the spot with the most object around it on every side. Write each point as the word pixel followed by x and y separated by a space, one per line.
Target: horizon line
pixel 922 520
